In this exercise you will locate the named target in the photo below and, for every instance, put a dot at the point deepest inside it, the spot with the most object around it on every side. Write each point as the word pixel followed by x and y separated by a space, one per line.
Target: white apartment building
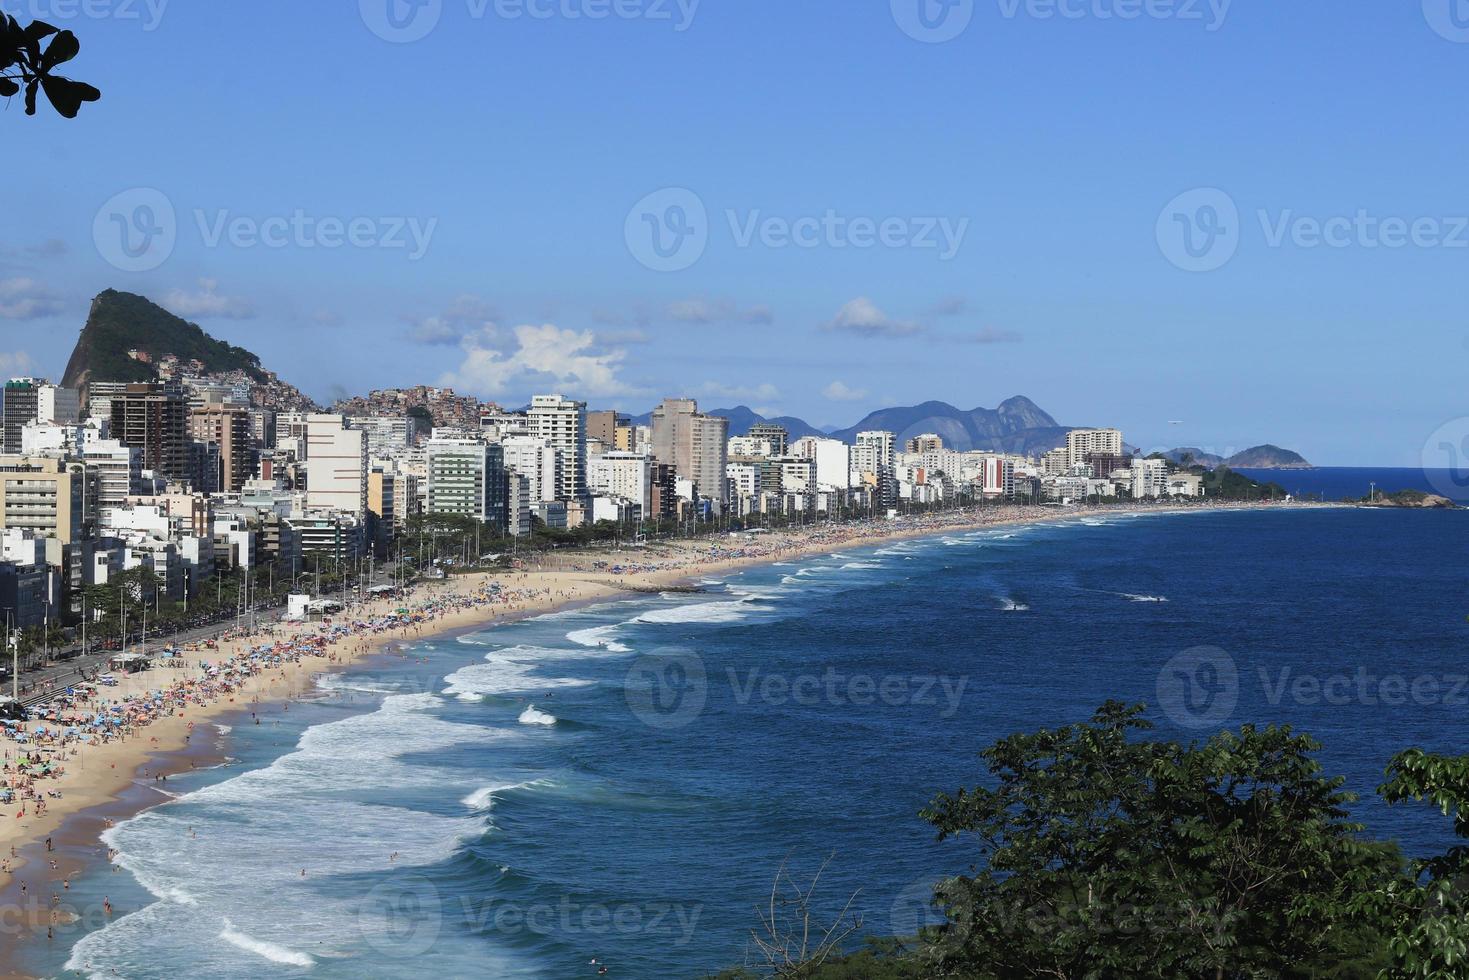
pixel 385 433
pixel 336 465
pixel 563 423
pixel 119 470
pixel 997 478
pixel 833 459
pixel 625 475
pixel 881 444
pixel 749 446
pixel 58 405
pixel 744 480
pixel 536 460
pixel 1081 442
pixel 1149 478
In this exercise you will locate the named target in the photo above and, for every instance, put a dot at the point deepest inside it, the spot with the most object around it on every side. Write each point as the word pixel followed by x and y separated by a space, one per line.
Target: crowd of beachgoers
pixel 59 731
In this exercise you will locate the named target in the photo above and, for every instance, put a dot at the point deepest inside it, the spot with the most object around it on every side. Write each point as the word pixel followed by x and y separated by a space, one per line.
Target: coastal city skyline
pixel 1005 262
pixel 539 489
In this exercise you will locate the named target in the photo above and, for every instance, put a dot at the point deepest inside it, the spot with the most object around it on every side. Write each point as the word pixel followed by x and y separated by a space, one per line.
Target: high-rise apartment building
pixel 695 445
pixel 153 419
pixel 563 424
pixel 467 478
pixel 777 435
pixel 228 427
pixel 1082 442
pixel 19 406
pixel 48 497
pixel 625 475
pixel 336 465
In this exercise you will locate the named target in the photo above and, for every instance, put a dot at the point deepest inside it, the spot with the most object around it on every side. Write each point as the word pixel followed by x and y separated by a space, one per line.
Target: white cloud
pixel 27 299
pixel 208 302
pixel 837 391
pixel 990 335
pixel 467 314
pixel 766 392
pixel 15 363
pixel 862 317
pixel 950 306
pixel 717 311
pixel 541 358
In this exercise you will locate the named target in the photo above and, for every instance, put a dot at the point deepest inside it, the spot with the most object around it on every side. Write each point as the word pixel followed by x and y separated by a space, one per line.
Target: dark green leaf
pixel 62 49
pixel 67 96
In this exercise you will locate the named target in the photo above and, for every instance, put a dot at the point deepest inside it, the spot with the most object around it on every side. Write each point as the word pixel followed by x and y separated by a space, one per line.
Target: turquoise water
pixel 624 782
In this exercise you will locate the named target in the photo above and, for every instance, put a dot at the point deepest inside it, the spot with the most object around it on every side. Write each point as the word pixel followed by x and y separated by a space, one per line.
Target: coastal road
pixel 68 663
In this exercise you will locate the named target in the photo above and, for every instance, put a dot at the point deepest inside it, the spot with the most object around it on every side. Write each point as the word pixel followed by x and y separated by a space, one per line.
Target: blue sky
pixel 1049 147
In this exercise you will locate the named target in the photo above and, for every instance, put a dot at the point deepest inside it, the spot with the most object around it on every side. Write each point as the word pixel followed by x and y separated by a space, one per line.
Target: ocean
pixel 624 782
pixel 1356 482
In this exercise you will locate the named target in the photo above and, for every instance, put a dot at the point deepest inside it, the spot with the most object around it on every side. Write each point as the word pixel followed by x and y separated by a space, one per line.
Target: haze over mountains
pixel 119 322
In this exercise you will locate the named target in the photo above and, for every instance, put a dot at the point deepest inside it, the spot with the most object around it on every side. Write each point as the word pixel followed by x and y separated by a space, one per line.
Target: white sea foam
pixel 599 636
pixel 531 716
pixel 270 951
pixel 703 612
pixel 225 729
pixel 484 798
pixel 854 565
pixel 507 671
pixel 1010 605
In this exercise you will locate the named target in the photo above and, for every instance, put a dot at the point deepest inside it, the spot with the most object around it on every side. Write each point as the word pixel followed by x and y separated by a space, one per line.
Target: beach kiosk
pixel 129 663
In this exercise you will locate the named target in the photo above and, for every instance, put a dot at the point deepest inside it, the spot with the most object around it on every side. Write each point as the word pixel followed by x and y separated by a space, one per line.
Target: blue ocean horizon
pixel 625 781
pixel 1335 483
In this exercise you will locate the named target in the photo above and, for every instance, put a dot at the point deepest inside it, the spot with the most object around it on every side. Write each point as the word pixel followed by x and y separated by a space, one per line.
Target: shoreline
pixel 75 823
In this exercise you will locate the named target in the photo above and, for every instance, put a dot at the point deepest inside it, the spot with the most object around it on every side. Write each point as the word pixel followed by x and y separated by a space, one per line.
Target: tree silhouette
pixel 24 65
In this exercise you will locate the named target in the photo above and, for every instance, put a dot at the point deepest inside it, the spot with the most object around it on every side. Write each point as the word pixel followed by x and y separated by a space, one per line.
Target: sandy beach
pixel 96 784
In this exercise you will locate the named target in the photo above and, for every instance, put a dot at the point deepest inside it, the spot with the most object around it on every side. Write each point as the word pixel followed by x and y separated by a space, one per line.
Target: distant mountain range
pixel 1018 425
pixel 120 322
pixel 1265 457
